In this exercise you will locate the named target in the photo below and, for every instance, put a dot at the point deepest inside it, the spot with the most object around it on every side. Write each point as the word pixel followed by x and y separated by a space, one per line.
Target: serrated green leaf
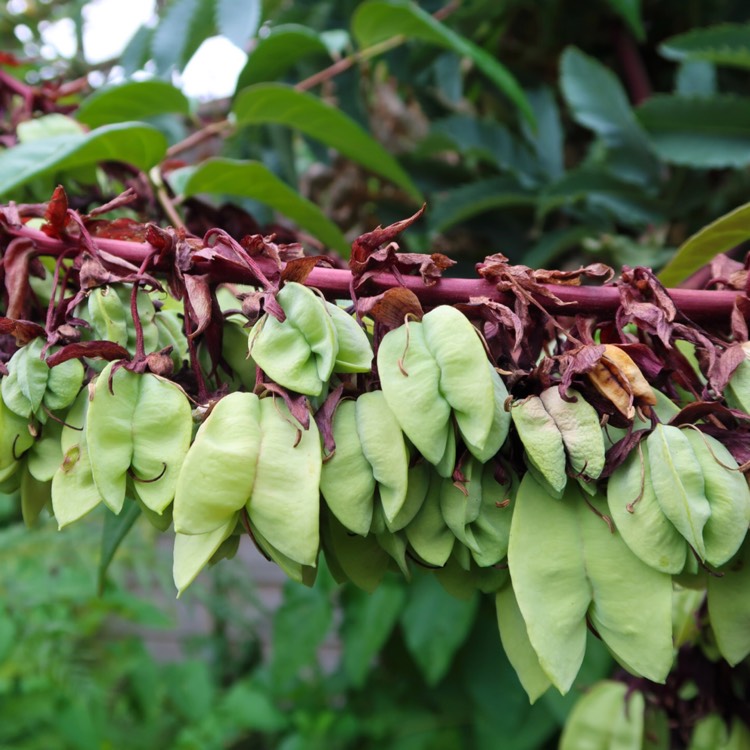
pixel 131 100
pixel 142 146
pixel 274 54
pixel 377 20
pixel 462 203
pixel 726 232
pixel 282 105
pixel 114 531
pixel 433 640
pixel 597 100
pixel 238 20
pixel 695 78
pixel 727 44
pixel 702 132
pixel 630 12
pixel 251 179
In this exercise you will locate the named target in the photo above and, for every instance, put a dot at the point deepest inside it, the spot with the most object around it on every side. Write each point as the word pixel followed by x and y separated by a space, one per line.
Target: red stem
pixel 603 301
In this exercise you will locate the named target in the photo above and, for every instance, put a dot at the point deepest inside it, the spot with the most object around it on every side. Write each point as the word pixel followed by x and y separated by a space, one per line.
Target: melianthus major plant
pixel 448 424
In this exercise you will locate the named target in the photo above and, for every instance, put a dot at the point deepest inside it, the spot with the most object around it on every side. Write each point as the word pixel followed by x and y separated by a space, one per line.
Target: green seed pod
pixel 639 518
pixel 410 379
pixel 677 479
pixel 610 715
pixel 354 352
pixel 143 425
pixel 418 486
pixel 305 574
pixel 346 479
pixel 74 492
pixel 218 474
pixel 393 542
pixel 35 495
pixel 192 552
pixel 500 421
pixel 465 380
pixel 385 450
pixel 108 315
pixel 518 648
pixel 45 456
pixel 15 439
pixel 542 440
pixel 285 501
pixel 233 350
pixel 24 386
pixel 63 383
pixel 582 437
pixel 737 391
pixel 428 534
pixel 169 326
pixel 299 353
pixel 727 494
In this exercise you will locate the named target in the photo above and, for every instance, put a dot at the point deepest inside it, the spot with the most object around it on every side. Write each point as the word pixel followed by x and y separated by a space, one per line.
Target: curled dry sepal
pixel 391 417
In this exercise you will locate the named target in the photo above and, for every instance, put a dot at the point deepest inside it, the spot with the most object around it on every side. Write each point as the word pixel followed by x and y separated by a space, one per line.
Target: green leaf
pixel 183 27
pixel 378 20
pixel 132 100
pixel 721 235
pixel 115 529
pixel 142 146
pixel 462 203
pixel 553 244
pixel 238 20
pixel 368 621
pixel 696 78
pixel 47 126
pixel 282 105
pixel 435 624
pixel 597 101
pixel 704 132
pixel 727 44
pixel 251 179
pixel 548 139
pixel 630 12
pixel 276 53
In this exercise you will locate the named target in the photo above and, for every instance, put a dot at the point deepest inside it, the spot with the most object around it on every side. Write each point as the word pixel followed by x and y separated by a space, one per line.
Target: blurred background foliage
pixel 553 131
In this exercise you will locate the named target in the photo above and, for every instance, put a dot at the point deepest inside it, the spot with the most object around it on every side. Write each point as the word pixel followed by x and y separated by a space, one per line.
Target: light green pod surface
pixel 729 607
pixel 541 440
pixel 354 349
pixel 45 456
pixel 447 463
pixel 24 386
pixel 607 717
pixel 74 492
pixel 298 572
pixel 146 314
pixel 518 648
pixel 737 391
pixel 346 479
pixel 285 501
pixel 233 343
pixel 677 479
pixel 307 312
pixel 385 450
pixel 192 552
pixel 15 437
pixel 393 542
pixel 647 531
pixel 108 315
pixel 461 508
pixel 548 572
pixel 632 602
pixel 579 426
pixel 145 423
pixel 465 380
pixel 282 352
pixel 428 534
pixel 412 390
pixel 500 421
pixel 35 495
pixel 169 325
pixel 63 383
pixel 217 476
pixel 418 485
pixel 727 494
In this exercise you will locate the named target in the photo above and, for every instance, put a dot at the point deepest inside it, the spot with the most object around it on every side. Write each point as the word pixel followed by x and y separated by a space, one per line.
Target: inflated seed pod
pixel 108 315
pixel 427 533
pixel 300 352
pixel 728 496
pixel 218 474
pixel 74 491
pixel 737 390
pixel 354 352
pixel 578 424
pixel 541 440
pixel 384 448
pixel 465 380
pixel 639 517
pixel 141 426
pixel 346 479
pixel 169 325
pixel 677 479
pixel 285 502
pixel 500 421
pixel 410 379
